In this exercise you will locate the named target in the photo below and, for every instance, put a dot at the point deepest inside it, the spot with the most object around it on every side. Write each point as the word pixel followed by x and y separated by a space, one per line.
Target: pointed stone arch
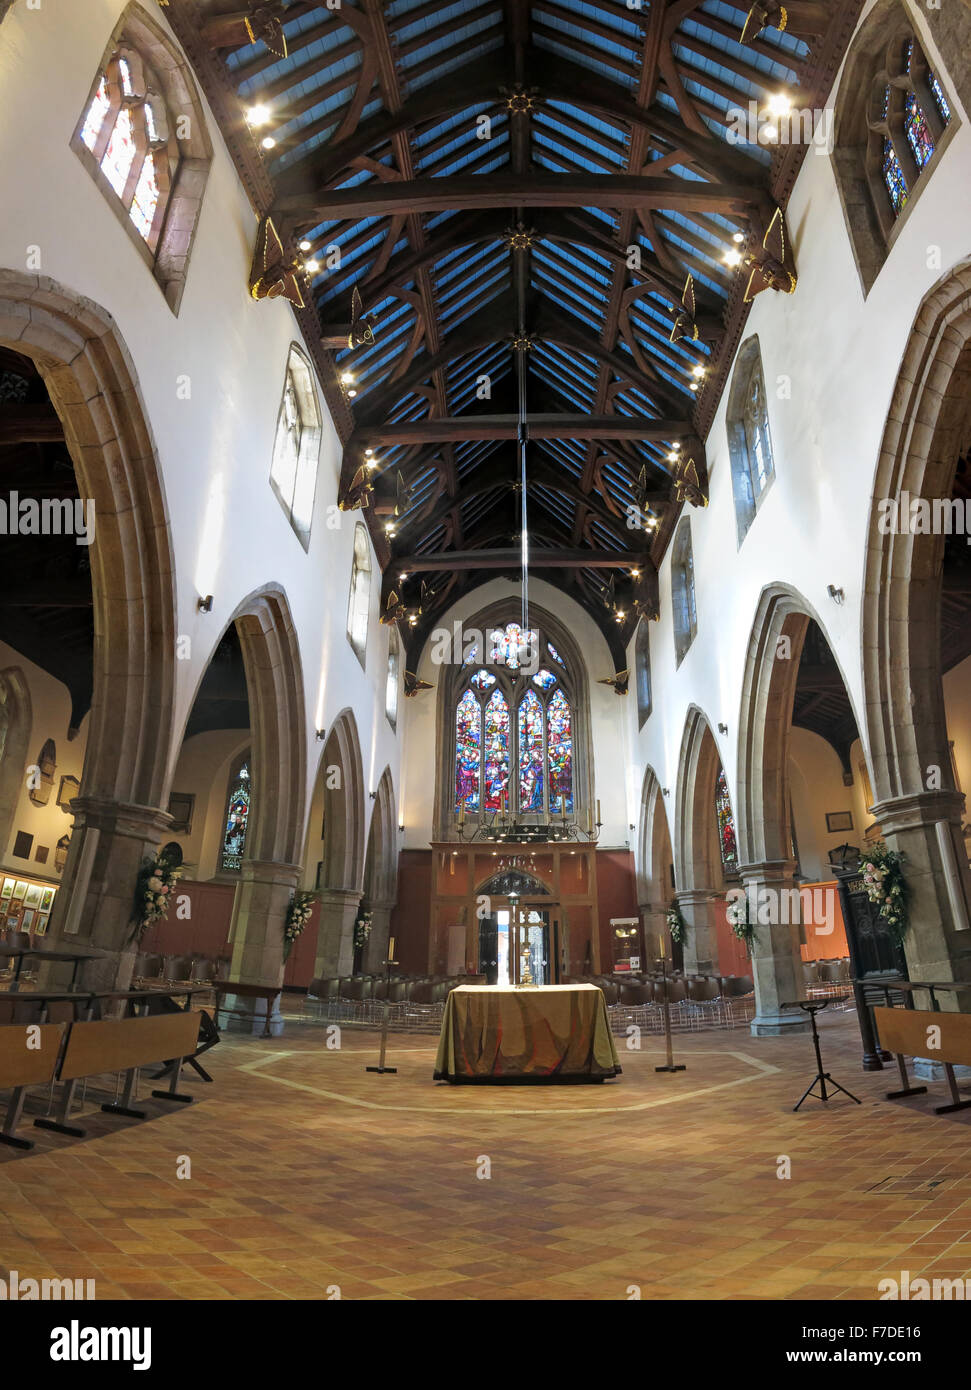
pixel 696 859
pixel 916 802
pixel 341 881
pixel 381 872
pixel 94 389
pixel 655 861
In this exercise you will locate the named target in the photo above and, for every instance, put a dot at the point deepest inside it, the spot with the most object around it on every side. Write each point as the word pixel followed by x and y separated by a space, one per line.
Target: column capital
pixel 339 897
pixel 767 871
pixel 124 817
pixel 695 897
pixel 920 808
pixel 269 871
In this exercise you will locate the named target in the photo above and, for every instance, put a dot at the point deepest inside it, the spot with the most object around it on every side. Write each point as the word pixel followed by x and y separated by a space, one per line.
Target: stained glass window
pixel 893 176
pixel 120 154
pixel 939 97
pixel 293 473
pixel 95 118
pixel 919 137
pixel 496 751
pixel 554 654
pixel 726 825
pixel 544 679
pixel 128 134
pixel 145 201
pixel 508 643
pixel 468 741
pixel 482 680
pixel 237 821
pixel 560 752
pixel 530 753
pixel 471 656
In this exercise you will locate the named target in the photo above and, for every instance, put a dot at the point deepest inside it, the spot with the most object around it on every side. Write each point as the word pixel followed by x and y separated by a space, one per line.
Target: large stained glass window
pixel 468 748
pixel 559 738
pixel 530 754
pixel 939 98
pixel 128 136
pixel 237 821
pixel 496 752
pixel 908 113
pixel 514 734
pixel 893 177
pixel 726 825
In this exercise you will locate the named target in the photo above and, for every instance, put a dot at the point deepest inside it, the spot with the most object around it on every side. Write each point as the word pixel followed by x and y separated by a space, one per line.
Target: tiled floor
pixel 309 1173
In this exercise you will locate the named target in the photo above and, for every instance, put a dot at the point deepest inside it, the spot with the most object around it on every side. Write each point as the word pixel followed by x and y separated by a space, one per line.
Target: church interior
pixel 485 650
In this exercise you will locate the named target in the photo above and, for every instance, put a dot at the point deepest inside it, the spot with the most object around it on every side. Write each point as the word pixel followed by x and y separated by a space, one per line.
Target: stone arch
pixel 380 872
pixel 344 811
pixel 16 720
pixel 698 870
pixel 655 861
pixel 920 811
pixel 93 386
pixel 762 810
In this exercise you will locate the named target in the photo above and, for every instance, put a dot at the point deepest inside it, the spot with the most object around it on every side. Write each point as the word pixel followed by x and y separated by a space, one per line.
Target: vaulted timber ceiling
pixel 483 170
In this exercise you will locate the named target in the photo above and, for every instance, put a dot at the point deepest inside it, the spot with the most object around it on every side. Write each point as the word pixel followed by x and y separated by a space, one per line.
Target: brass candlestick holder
pixel 526 980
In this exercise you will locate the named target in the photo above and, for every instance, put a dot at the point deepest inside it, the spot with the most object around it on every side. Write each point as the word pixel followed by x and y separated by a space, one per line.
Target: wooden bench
pixel 122 1045
pixel 271 993
pixel 908 1032
pixel 28 1057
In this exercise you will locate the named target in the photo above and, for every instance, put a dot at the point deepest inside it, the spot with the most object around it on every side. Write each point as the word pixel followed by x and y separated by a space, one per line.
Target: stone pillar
pixel 926 830
pixel 653 924
pixel 376 950
pixel 96 903
pixel 262 897
pixel 335 934
pixel 700 942
pixel 774 911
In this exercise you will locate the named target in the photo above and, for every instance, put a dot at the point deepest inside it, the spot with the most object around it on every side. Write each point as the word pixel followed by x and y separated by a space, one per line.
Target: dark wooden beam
pixel 464 427
pixel 538 190
pixel 539 558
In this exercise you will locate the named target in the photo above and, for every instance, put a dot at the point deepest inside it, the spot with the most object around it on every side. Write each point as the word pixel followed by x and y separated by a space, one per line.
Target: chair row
pixel 826 972
pixel 427 989
pixel 178 969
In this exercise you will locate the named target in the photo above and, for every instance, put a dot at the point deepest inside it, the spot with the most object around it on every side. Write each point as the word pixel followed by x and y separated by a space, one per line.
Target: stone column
pixel 96 903
pixel 653 924
pixel 376 950
pixel 926 830
pixel 700 942
pixel 259 911
pixel 774 911
pixel 335 934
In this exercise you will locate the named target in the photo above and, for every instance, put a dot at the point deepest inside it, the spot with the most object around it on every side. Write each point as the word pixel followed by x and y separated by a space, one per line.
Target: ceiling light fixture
pixel 311 266
pixel 780 104
pixel 257 115
pixel 305 245
pixel 732 257
pixel 268 142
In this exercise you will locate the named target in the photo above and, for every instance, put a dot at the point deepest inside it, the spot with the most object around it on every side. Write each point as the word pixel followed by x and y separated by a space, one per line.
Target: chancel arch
pixel 915 622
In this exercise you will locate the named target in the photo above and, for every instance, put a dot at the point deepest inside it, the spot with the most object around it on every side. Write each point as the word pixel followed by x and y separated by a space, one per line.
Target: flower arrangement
pixel 885 885
pixel 362 930
pixel 298 915
pixel 153 893
pixel 677 926
pixel 739 918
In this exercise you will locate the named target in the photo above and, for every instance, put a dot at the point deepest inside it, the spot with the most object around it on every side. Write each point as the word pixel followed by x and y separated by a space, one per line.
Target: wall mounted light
pixel 401 827
pixel 204 605
pixel 373 795
pixel 723 728
pixel 665 791
pixel 320 735
pixel 835 594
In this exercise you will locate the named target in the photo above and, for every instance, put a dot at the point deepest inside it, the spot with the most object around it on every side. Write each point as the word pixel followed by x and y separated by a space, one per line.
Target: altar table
pixel 500 1033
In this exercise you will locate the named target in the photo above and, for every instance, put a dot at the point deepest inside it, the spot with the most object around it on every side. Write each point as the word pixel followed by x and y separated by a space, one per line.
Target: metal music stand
pixel 812 1008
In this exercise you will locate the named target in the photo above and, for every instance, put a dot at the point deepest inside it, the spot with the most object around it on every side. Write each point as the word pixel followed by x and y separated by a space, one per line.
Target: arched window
pixel 514 736
pixel 749 442
pixel 236 822
pixel 391 685
pixel 893 119
pixel 683 591
pixel 143 138
pixel 725 821
pixel 296 448
pixel 642 659
pixel 360 597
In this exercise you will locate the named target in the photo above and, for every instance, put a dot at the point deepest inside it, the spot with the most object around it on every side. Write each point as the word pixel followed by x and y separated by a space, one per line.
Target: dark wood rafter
pixel 613 138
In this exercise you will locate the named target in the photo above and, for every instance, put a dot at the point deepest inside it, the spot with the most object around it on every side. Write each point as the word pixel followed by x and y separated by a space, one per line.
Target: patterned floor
pixel 309 1176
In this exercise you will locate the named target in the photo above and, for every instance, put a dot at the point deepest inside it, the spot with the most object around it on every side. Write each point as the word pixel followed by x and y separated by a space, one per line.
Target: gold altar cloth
pixel 551 1033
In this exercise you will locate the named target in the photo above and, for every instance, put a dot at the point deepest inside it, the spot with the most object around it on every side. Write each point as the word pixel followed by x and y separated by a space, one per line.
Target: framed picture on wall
pixel 6 892
pixel 33 895
pixel 20 890
pixel 839 820
pixel 181 807
pixel 47 899
pixel 40 925
pixel 27 921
